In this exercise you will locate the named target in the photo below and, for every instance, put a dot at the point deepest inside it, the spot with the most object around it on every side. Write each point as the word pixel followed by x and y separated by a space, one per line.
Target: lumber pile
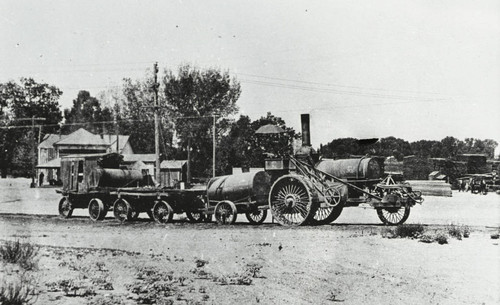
pixel 431 187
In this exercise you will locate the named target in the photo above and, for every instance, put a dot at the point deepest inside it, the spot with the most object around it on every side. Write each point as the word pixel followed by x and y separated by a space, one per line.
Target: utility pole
pixel 156 109
pixel 213 147
pixel 33 158
pixel 157 125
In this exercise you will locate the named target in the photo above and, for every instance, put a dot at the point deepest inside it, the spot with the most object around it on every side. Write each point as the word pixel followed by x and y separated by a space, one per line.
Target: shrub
pixel 200 263
pixel 16 252
pixel 253 270
pixel 455 231
pixel 427 239
pixel 441 239
pixel 18 292
pixel 235 279
pixel 409 230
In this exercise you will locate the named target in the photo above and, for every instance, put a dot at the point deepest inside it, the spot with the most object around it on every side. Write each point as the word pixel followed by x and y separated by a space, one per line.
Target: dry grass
pixel 21 253
pixel 21 290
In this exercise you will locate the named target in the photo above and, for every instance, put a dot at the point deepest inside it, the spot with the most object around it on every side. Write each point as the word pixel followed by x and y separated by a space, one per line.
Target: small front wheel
pixel 225 213
pixel 97 209
pixel 393 216
pixel 122 210
pixel 65 208
pixel 256 217
pixel 162 212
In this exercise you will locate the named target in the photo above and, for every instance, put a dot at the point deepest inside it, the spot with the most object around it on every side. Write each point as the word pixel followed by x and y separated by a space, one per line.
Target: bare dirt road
pixel 349 262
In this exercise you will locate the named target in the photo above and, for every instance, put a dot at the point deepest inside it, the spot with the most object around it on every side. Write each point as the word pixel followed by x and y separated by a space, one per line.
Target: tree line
pixel 449 147
pixel 191 101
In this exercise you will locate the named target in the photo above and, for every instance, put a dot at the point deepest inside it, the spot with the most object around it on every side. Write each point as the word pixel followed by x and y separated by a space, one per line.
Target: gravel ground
pixel 350 261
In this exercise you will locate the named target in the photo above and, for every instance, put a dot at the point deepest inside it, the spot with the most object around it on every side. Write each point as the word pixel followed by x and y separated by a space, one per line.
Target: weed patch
pixel 23 254
pixel 19 291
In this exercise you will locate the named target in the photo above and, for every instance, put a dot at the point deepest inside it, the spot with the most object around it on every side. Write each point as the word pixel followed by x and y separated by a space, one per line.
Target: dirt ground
pixel 348 262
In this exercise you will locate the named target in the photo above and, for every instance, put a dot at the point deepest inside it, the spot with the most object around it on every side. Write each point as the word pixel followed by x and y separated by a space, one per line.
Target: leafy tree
pixel 88 113
pixel 341 148
pixel 193 97
pixel 136 116
pixel 19 103
pixel 241 147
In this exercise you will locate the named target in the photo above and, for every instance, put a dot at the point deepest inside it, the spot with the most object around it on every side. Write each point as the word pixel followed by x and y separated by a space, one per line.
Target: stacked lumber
pixel 431 187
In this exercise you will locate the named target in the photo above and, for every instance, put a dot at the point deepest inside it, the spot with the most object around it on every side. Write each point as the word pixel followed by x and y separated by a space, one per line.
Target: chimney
pixel 306 134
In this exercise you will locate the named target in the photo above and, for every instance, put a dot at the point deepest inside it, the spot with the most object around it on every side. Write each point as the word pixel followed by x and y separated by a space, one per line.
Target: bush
pixel 16 252
pixel 441 239
pixel 458 231
pixel 409 230
pixel 18 292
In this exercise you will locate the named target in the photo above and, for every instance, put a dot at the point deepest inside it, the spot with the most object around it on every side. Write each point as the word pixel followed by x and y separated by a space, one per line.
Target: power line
pixel 334 85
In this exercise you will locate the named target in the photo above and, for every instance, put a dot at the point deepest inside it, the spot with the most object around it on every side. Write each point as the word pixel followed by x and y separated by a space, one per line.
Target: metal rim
pixel 97 210
pixel 162 212
pixel 65 207
pixel 327 215
pixel 333 196
pixel 195 216
pixel 122 210
pixel 291 202
pixel 225 213
pixel 257 216
pixel 393 216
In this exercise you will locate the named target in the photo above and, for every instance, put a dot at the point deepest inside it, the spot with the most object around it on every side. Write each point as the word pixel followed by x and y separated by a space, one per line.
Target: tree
pixel 194 96
pixel 136 116
pixel 241 147
pixel 19 103
pixel 88 113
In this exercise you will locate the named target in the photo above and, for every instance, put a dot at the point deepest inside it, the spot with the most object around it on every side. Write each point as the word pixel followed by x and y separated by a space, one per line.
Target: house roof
pixel 172 164
pixel 82 137
pixel 131 158
pixel 50 139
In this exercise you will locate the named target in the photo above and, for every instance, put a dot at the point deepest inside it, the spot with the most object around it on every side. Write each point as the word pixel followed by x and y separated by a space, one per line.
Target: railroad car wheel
pixel 225 213
pixel 393 216
pixel 256 217
pixel 97 209
pixel 122 210
pixel 162 212
pixel 195 216
pixel 291 202
pixel 65 208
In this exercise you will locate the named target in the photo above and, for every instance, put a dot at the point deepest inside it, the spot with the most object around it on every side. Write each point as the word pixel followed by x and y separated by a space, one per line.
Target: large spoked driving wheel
pixel 122 210
pixel 97 209
pixel 291 202
pixel 65 208
pixel 393 216
pixel 225 213
pixel 256 217
pixel 162 212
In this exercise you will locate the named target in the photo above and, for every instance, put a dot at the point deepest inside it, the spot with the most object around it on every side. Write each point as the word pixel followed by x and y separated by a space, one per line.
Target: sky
pixel 410 69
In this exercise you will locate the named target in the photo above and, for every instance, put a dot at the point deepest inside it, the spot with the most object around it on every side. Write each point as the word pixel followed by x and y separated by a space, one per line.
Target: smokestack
pixel 306 134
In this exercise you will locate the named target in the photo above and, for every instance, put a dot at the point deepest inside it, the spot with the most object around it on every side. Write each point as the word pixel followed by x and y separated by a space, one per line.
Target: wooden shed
pixel 173 172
